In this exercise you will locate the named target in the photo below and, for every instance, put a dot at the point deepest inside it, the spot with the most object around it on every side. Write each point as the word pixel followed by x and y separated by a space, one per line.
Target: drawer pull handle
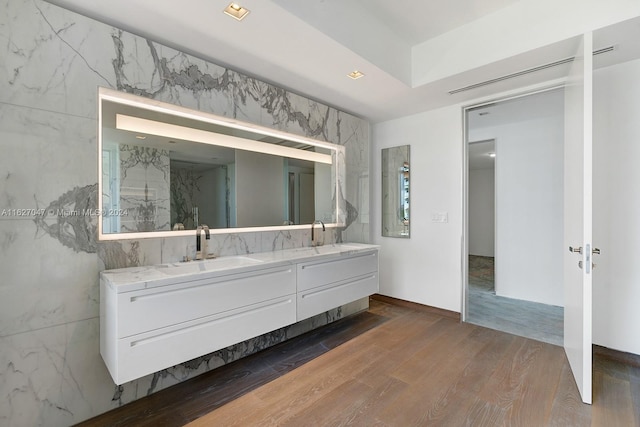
pixel 210 322
pixel 331 288
pixel 373 254
pixel 189 288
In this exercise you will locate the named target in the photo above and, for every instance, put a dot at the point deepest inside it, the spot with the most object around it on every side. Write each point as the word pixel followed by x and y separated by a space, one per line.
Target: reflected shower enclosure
pixel 395 191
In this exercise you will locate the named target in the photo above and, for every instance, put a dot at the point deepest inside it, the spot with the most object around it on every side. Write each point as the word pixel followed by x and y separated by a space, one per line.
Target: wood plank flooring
pixel 397 366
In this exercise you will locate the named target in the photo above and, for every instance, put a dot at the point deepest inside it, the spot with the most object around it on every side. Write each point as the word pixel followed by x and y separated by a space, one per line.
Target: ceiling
pixel 417 21
pixel 309 46
pixel 508 113
pixel 524 108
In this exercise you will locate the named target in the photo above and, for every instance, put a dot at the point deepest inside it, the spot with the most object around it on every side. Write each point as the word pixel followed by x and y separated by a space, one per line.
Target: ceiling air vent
pixel 527 71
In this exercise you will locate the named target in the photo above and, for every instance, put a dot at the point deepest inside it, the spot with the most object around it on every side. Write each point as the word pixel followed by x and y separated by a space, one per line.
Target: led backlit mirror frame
pixel 336 156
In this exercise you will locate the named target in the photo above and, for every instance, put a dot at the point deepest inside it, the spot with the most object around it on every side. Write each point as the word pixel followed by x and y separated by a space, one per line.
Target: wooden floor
pixel 397 366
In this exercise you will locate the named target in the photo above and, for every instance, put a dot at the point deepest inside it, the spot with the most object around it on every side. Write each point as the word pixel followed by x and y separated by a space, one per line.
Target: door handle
pixel 594 251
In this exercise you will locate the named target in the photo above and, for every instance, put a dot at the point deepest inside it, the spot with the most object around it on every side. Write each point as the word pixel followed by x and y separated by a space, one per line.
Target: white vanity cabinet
pixel 147 330
pixel 328 283
pixel 155 317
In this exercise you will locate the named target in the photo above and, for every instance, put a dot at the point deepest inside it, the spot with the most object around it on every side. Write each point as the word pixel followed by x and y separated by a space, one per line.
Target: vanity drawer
pixel 153 351
pixel 147 330
pixel 319 273
pixel 320 299
pixel 149 309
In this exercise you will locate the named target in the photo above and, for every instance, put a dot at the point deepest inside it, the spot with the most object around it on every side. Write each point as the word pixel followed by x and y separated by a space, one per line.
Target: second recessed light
pixel 236 11
pixel 355 74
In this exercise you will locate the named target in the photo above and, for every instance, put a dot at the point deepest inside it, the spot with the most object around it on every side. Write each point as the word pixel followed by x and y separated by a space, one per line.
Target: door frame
pixel 518 93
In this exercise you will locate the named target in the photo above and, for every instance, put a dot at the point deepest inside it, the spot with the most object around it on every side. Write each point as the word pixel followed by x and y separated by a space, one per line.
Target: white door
pixel 578 217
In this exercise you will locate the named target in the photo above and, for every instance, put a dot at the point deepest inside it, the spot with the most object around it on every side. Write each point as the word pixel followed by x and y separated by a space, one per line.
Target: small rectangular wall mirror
pixel 395 192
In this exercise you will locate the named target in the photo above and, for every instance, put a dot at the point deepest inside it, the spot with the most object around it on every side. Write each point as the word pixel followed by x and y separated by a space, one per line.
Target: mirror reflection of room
pixel 155 182
pixel 395 191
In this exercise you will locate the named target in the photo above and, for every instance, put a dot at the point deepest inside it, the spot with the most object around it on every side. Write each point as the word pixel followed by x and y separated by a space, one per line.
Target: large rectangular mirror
pixel 165 169
pixel 395 192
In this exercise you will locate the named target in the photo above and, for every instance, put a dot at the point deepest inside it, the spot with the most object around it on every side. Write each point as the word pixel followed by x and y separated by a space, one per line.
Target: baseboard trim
pixel 617 355
pixel 416 306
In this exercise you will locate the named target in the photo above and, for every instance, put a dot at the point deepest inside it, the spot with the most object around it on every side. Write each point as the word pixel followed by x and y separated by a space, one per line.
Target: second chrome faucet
pixel 317 239
pixel 202 245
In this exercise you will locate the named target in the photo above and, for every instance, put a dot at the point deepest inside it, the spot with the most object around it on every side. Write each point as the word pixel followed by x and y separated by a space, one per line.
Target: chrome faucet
pixel 315 239
pixel 202 247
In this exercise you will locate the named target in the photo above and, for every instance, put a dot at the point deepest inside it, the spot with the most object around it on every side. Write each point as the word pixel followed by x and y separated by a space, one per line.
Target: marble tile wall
pixel 52 62
pixel 144 189
pixel 185 190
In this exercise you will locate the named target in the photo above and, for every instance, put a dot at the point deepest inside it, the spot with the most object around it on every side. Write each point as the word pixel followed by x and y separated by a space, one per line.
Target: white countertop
pixel 136 278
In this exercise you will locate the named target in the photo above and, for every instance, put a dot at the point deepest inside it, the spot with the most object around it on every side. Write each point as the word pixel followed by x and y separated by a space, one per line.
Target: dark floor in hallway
pixel 528 319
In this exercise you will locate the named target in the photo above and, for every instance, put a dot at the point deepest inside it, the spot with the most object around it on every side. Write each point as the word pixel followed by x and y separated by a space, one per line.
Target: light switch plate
pixel 440 217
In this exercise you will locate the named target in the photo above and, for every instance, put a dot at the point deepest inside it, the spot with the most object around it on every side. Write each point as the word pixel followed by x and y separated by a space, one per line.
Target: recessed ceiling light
pixel 236 11
pixel 491 154
pixel 141 137
pixel 355 74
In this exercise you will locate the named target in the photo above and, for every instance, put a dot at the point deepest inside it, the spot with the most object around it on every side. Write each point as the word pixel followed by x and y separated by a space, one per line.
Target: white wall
pixel 233 212
pixel 306 198
pixel 212 198
pixel 259 189
pixel 530 24
pixel 426 268
pixel 529 199
pixel 482 212
pixel 323 193
pixel 616 181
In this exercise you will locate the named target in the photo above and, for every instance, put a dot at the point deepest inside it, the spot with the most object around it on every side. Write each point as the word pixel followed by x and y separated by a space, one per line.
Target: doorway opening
pixel 515 215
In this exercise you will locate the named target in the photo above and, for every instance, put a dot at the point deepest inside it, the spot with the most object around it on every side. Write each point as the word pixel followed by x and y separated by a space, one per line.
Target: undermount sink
pixel 207 265
pixel 325 249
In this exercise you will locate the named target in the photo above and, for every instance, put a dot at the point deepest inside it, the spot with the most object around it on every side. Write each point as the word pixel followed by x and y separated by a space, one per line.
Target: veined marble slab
pixel 53 61
pixel 136 278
